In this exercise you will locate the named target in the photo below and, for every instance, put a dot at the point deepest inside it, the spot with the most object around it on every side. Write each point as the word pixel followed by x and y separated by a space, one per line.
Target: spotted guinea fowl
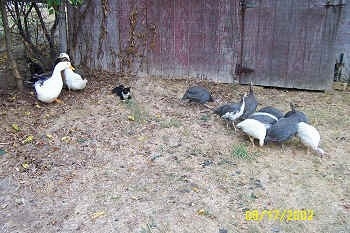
pixel 256 126
pixel 286 127
pixel 232 111
pixel 254 129
pixel 310 137
pixel 273 111
pixel 296 115
pixel 198 94
pixel 266 118
pixel 250 103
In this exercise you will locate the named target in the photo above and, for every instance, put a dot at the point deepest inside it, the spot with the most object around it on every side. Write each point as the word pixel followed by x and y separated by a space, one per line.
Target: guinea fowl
pixel 273 111
pixel 198 94
pixel 296 115
pixel 286 127
pixel 256 126
pixel 231 112
pixel 254 129
pixel 310 137
pixel 266 118
pixel 250 103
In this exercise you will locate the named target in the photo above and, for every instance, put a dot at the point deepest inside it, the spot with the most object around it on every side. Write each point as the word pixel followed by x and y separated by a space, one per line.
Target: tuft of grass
pixel 205 117
pixel 168 123
pixel 240 151
pixel 136 112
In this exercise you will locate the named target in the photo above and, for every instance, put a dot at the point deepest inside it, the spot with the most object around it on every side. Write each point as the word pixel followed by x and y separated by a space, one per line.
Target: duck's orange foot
pixel 58 101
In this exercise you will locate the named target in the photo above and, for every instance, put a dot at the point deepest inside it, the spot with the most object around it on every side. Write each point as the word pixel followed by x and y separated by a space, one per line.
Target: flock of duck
pixel 268 124
pixel 48 86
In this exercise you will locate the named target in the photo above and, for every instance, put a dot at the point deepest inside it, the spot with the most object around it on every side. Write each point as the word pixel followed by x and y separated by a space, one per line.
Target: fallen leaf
pixel 98 214
pixel 195 189
pixel 201 212
pixel 37 106
pixel 27 113
pixel 28 139
pixel 131 118
pixel 141 138
pixel 15 127
pixel 49 136
pixel 25 165
pixel 65 139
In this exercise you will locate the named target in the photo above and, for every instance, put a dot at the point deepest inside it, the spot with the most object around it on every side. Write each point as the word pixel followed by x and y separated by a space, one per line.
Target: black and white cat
pixel 122 92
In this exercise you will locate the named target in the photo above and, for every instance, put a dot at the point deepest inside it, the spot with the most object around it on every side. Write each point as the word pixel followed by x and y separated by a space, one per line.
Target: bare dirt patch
pixel 155 164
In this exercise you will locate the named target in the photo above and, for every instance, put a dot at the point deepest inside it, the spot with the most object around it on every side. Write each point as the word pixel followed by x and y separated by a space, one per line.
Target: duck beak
pixel 71 67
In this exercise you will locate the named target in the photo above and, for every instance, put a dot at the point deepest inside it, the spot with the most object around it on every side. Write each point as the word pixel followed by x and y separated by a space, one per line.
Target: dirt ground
pixel 158 165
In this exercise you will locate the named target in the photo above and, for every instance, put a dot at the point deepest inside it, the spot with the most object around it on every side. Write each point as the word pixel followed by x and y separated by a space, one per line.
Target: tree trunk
pixel 12 62
pixel 62 28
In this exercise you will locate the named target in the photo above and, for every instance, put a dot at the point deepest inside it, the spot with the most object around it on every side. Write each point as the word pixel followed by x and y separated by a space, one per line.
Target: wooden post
pixel 11 61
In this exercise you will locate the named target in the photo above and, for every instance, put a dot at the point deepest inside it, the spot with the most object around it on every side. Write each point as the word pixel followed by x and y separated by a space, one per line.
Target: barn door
pixel 289 43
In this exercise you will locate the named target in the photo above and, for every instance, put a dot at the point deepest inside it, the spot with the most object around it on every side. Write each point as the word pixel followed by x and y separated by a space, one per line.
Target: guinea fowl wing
pixel 283 130
pixel 274 111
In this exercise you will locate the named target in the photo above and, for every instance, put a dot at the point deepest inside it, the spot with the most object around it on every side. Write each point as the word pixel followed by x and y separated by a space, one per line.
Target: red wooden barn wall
pixel 291 43
pixel 196 38
pixel 287 43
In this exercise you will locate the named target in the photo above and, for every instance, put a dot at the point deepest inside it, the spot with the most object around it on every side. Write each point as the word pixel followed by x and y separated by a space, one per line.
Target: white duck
pixel 73 80
pixel 254 129
pixel 310 137
pixel 49 88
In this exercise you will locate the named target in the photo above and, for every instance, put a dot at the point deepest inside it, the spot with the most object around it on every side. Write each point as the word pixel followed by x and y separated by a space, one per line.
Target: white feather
pixel 253 128
pixel 309 136
pixel 73 80
pixel 264 114
pixel 48 90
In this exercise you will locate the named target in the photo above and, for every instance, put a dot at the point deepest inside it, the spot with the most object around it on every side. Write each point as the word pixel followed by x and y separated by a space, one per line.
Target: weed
pixel 170 123
pixel 136 112
pixel 240 151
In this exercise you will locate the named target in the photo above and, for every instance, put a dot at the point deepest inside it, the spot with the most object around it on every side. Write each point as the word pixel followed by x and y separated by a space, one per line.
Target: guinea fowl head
pixel 251 88
pixel 292 106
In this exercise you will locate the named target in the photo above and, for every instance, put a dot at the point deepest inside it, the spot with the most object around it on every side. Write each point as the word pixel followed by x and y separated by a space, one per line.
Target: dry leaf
pixel 65 139
pixel 98 214
pixel 131 118
pixel 25 165
pixel 27 113
pixel 201 212
pixel 195 189
pixel 16 127
pixel 49 136
pixel 28 139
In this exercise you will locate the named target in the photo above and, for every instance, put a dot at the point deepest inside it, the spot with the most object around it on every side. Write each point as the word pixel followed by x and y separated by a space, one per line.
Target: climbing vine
pixel 141 36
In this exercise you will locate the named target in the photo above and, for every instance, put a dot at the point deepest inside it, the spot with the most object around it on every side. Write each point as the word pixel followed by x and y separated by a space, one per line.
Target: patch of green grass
pixel 168 123
pixel 205 117
pixel 240 151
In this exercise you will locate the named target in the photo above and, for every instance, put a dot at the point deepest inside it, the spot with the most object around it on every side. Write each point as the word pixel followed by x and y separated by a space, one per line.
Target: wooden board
pixel 290 44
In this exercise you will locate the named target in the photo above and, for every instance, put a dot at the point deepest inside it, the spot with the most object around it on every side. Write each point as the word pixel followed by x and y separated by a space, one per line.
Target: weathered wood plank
pixel 303 35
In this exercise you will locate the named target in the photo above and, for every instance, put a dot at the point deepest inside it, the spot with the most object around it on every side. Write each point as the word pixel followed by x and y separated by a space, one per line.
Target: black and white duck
pixel 48 88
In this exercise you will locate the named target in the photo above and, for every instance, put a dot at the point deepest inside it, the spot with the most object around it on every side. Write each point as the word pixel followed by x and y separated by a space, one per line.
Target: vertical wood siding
pixel 287 43
pixel 196 38
pixel 290 44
